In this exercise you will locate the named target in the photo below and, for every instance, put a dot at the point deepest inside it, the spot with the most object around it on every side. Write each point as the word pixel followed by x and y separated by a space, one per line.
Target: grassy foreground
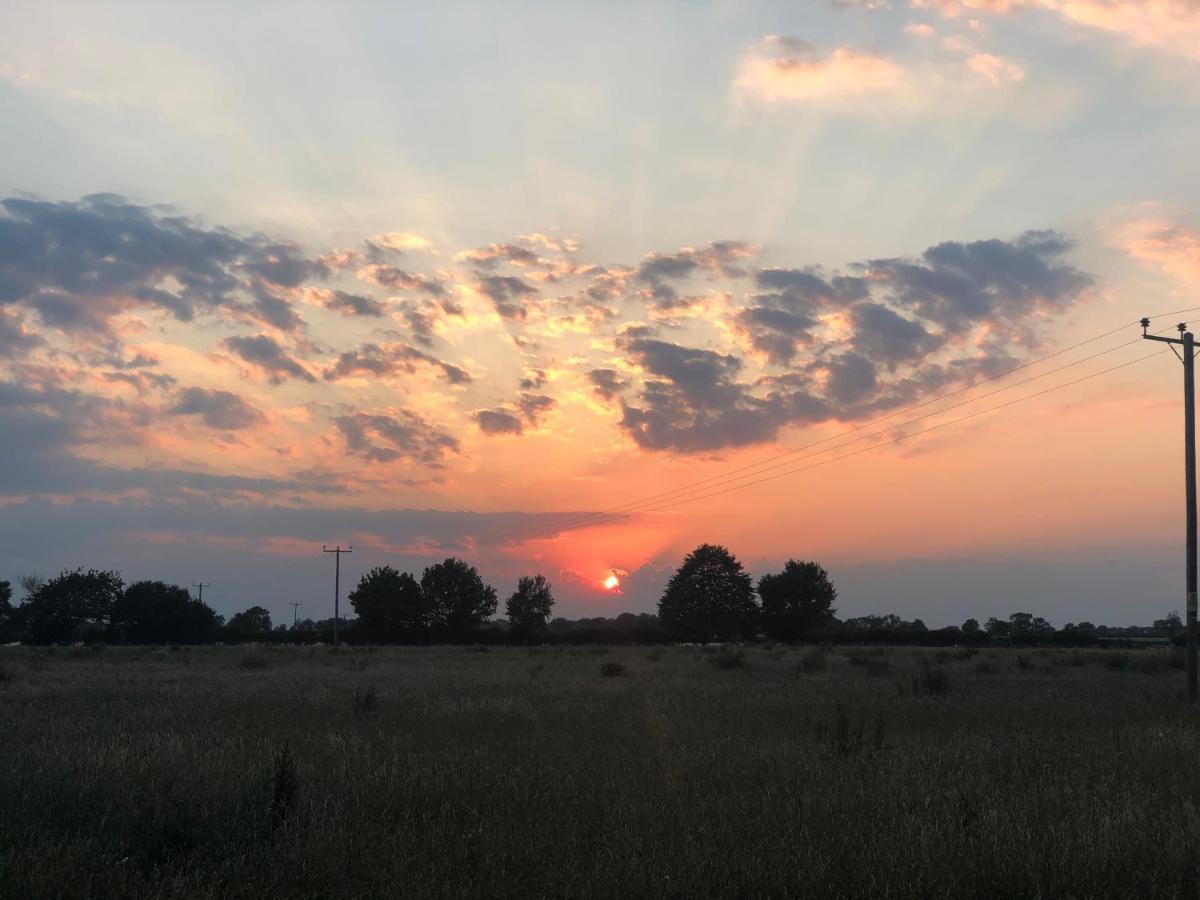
pixel 449 772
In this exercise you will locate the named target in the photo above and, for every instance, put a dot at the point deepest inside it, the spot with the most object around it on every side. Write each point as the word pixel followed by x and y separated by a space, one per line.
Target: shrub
pixel 729 659
pixel 1118 662
pixel 252 662
pixel 814 661
pixel 365 701
pixel 612 669
pixel 932 681
pixel 986 667
pixel 284 784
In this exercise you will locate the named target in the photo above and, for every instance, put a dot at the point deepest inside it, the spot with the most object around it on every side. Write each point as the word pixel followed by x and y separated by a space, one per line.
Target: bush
pixel 986 667
pixel 1118 662
pixel 814 661
pixel 284 784
pixel 932 681
pixel 612 669
pixel 365 701
pixel 729 659
pixel 252 662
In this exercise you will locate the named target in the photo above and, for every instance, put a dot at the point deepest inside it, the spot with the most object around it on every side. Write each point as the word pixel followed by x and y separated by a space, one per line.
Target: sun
pixel 611 583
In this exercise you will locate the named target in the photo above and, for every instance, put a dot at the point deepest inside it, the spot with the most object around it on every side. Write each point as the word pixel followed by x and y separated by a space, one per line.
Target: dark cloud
pixel 401 280
pixel 497 421
pixel 41 431
pixel 78 264
pixel 534 406
pixel 775 331
pixel 533 379
pixel 851 378
pixel 957 285
pixel 354 304
pixel 15 339
pixel 718 257
pixel 385 360
pixel 265 353
pixel 218 409
pixel 399 434
pixel 607 383
pixel 882 334
pixel 507 294
pixel 493 254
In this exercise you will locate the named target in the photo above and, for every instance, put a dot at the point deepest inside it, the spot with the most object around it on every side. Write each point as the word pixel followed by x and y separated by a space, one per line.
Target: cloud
pixel 1171 25
pixel 351 304
pixel 788 70
pixel 1157 241
pixel 404 240
pixel 497 421
pixel 218 409
pixel 393 435
pixel 80 264
pixel 508 295
pixel 994 68
pixel 401 280
pixel 607 383
pixel 266 354
pixel 387 360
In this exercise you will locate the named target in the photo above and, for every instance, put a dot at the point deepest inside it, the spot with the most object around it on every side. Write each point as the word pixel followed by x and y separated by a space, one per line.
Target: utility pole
pixel 337 574
pixel 200 586
pixel 1188 342
pixel 296 604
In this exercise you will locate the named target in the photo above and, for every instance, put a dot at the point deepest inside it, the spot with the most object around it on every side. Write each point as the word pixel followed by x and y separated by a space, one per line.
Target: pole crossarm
pixel 337 575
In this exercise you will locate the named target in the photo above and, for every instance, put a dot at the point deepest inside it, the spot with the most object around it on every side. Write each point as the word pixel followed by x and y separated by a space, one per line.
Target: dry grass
pixel 131 774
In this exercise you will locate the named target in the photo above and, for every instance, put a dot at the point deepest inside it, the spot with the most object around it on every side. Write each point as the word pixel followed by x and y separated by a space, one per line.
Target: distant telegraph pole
pixel 200 586
pixel 1188 342
pixel 337 574
pixel 296 604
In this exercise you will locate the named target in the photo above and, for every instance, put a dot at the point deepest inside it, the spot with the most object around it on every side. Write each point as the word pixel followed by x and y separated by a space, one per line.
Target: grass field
pixel 594 772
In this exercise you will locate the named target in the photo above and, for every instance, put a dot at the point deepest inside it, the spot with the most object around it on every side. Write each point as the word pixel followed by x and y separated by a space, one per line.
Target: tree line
pixel 709 598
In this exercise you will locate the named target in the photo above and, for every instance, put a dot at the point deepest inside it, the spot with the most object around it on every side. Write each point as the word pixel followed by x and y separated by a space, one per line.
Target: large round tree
pixel 709 598
pixel 459 600
pixel 796 600
pixel 391 606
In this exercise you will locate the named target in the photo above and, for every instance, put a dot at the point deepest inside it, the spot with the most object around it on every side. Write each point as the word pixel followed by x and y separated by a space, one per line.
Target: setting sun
pixel 611 583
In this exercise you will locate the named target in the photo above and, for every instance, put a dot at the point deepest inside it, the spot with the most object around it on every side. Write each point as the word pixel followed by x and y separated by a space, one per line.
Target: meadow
pixel 595 772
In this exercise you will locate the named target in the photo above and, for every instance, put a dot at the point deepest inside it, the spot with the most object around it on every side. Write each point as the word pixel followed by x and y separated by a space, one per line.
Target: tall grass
pixel 128 775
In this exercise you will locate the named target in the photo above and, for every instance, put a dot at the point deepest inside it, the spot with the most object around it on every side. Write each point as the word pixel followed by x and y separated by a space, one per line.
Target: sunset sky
pixel 449 279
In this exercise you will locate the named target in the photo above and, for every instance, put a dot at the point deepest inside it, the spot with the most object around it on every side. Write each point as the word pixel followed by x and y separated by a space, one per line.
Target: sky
pixel 494 280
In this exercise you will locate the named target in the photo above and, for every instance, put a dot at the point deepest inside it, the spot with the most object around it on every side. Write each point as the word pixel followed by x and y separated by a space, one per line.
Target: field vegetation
pixel 677 771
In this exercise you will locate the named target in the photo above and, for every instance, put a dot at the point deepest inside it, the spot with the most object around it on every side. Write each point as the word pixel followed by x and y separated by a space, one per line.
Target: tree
pixel 6 608
pixel 529 607
pixel 970 627
pixel 390 606
pixel 74 606
pixel 154 612
pixel 458 598
pixel 796 601
pixel 998 627
pixel 255 620
pixel 709 598
pixel 1023 624
pixel 1171 624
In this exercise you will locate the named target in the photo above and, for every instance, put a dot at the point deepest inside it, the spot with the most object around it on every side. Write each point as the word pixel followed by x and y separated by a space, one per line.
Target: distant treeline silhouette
pixel 710 598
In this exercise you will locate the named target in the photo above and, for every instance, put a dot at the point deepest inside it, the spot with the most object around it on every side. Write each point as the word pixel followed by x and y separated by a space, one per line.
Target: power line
pixel 905 437
pixel 578 520
pixel 584 519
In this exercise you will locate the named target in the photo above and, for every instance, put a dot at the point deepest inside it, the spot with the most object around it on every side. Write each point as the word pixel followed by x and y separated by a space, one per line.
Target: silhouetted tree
pixel 6 609
pixel 1170 624
pixel 391 606
pixel 1023 624
pixel 529 607
pixel 255 620
pixel 796 601
pixel 998 627
pixel 74 606
pixel 154 612
pixel 709 598
pixel 459 600
pixel 970 627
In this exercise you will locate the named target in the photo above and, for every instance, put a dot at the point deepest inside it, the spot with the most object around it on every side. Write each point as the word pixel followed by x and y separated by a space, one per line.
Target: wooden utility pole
pixel 296 604
pixel 200 586
pixel 337 574
pixel 1188 342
